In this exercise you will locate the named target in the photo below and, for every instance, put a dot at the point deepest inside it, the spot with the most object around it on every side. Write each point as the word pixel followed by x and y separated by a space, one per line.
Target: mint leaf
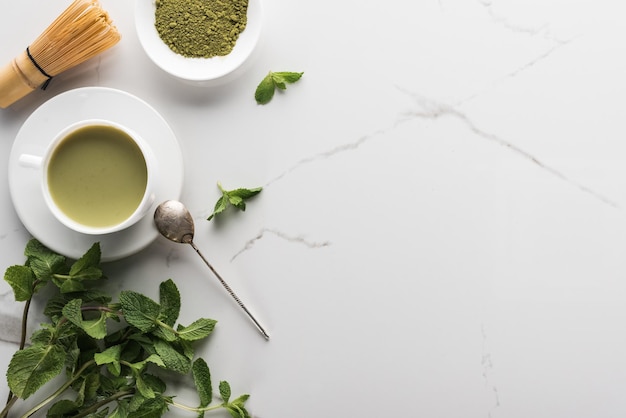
pixel 172 359
pixel 198 330
pixel 265 90
pixel 240 401
pixel 63 408
pixel 34 366
pixel 236 198
pixel 22 281
pixel 43 336
pixel 236 201
pixel 148 408
pixel 139 311
pixel 43 261
pixel 202 380
pixel 110 355
pixel 89 387
pixel 220 206
pixel 95 328
pixel 224 391
pixel 121 411
pixel 69 285
pixel 145 390
pixel 55 304
pixel 236 412
pixel 73 313
pixel 165 332
pixel 152 358
pixel 169 298
pixel 100 414
pixel 286 77
pixel 88 266
pixel 245 193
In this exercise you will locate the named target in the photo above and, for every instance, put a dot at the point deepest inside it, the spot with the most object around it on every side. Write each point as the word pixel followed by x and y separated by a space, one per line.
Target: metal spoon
pixel 175 223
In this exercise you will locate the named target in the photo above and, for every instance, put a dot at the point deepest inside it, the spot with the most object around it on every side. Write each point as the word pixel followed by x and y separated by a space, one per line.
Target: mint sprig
pixel 116 371
pixel 272 81
pixel 235 197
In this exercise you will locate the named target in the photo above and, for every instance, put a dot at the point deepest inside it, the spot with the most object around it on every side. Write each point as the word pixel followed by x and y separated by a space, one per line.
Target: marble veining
pixel 487 364
pixel 298 239
pixel 551 50
pixel 431 109
pixel 542 29
pixel 345 147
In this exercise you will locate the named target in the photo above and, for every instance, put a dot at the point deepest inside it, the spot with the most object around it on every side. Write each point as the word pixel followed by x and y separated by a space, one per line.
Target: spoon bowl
pixel 174 222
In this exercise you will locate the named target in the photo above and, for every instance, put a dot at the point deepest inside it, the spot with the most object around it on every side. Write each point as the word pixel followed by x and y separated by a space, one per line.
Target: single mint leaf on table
pixel 273 80
pixel 236 198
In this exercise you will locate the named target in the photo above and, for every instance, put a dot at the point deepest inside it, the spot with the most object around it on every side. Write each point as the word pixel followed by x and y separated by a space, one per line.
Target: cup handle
pixel 30 161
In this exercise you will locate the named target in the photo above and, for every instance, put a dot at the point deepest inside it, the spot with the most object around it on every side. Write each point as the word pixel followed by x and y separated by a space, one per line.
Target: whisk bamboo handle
pixel 18 78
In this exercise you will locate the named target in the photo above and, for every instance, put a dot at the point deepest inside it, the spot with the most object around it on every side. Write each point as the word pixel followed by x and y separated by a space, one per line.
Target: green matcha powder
pixel 201 28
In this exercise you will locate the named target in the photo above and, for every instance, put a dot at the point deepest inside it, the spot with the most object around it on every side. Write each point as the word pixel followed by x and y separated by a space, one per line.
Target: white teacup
pixel 97 176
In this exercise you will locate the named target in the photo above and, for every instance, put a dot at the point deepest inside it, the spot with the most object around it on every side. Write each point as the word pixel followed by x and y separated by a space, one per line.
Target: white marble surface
pixel 442 230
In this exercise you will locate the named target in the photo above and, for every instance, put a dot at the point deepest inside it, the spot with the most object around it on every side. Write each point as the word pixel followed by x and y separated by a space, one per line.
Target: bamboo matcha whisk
pixel 82 31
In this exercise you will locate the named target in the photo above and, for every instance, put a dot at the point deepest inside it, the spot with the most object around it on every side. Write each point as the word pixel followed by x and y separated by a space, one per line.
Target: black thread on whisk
pixel 41 70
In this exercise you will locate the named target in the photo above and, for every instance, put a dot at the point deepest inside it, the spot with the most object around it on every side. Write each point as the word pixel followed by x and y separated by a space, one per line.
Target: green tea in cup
pixel 98 177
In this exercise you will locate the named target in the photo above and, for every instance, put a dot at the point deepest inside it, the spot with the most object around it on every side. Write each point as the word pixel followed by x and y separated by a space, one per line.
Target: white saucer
pixel 46 122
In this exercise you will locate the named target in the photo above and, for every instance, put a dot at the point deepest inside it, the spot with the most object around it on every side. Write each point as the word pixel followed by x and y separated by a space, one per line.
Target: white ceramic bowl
pixel 195 70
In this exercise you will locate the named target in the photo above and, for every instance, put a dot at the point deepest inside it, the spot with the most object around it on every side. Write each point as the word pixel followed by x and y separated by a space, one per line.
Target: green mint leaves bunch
pixel 272 81
pixel 236 198
pixel 110 371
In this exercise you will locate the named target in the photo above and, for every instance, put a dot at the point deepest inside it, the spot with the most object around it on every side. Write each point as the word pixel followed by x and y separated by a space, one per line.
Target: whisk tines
pixel 80 32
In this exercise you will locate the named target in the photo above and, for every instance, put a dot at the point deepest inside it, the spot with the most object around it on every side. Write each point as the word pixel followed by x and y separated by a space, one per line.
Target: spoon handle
pixel 230 291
